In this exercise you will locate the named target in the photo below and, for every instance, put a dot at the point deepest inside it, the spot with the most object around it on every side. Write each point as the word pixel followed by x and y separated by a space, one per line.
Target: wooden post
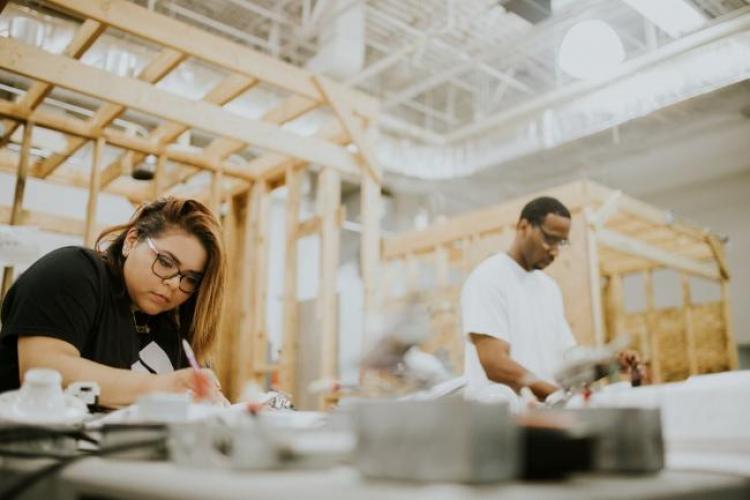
pixel 687 311
pixel 244 357
pixel 370 214
pixel 594 279
pixel 89 235
pixel 441 266
pixel 290 340
pixel 157 184
pixel 228 341
pixel 728 325
pixel 217 189
pixel 615 307
pixel 656 376
pixel 15 213
pixel 329 198
pixel 260 197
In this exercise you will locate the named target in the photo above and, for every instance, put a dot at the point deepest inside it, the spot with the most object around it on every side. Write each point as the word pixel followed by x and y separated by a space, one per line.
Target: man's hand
pixel 494 356
pixel 628 359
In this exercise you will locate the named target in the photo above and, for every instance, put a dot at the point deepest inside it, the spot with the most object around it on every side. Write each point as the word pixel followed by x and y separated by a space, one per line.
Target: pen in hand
pixel 201 384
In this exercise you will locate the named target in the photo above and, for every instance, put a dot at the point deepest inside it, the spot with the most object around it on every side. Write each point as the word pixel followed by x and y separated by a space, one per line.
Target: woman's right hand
pixel 203 385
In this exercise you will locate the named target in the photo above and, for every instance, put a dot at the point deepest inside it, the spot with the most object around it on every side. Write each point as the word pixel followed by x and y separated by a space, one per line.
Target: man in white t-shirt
pixel 513 316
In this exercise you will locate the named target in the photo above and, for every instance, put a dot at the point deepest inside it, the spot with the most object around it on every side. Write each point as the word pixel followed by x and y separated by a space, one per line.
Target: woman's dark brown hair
pixel 197 318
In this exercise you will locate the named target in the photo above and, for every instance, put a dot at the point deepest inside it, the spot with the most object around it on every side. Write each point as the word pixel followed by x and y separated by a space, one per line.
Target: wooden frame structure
pixel 245 187
pixel 612 236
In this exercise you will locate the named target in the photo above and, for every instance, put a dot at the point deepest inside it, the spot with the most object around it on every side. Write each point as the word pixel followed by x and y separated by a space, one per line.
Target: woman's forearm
pixel 118 386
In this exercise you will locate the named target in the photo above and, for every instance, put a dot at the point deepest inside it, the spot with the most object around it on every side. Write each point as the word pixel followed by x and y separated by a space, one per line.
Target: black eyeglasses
pixel 551 240
pixel 166 268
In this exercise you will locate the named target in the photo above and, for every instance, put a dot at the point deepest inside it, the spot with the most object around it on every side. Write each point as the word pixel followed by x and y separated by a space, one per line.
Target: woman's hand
pixel 203 385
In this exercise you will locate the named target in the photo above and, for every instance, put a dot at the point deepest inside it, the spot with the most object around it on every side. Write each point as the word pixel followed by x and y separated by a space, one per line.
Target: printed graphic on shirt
pixel 152 359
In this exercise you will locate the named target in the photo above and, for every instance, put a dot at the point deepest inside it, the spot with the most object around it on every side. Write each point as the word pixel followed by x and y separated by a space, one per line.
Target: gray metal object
pixel 443 440
pixel 628 439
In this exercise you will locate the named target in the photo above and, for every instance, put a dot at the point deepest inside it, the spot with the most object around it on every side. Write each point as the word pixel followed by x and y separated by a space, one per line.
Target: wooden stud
pixel 244 355
pixel 157 183
pixel 733 362
pixel 594 273
pixel 615 307
pixel 217 190
pixel 656 375
pixel 370 263
pixel 261 199
pixel 329 199
pixel 16 210
pixel 687 311
pixel 441 266
pixel 290 335
pixel 89 235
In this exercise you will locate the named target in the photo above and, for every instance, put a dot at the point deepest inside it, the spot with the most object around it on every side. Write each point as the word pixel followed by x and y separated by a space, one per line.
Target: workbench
pixel 162 480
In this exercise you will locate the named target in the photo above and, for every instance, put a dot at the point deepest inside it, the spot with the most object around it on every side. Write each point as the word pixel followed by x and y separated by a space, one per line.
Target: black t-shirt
pixel 69 294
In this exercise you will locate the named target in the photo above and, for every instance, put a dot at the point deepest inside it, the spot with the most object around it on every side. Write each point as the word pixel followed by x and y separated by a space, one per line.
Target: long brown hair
pixel 198 317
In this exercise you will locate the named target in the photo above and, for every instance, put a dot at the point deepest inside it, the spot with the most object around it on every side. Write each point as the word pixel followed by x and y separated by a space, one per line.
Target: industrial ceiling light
pixel 145 170
pixel 674 17
pixel 590 49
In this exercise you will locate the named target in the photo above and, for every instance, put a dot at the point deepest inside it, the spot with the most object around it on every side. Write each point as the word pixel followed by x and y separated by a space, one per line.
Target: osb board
pixel 669 328
pixel 445 340
pixel 571 272
pixel 710 337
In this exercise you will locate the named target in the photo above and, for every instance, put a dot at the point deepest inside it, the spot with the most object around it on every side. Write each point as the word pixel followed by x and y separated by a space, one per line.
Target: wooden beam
pixel 314 224
pixel 47 222
pixel 290 335
pixel 636 247
pixel 226 90
pixel 83 38
pixel 75 179
pixel 289 109
pixel 477 222
pixel 309 227
pixel 18 195
pixel 39 64
pixel 78 127
pixel 687 317
pixel 211 48
pixel 339 99
pixel 606 210
pixel 645 211
pixel 329 199
pixel 717 249
pixel 157 69
pixel 89 234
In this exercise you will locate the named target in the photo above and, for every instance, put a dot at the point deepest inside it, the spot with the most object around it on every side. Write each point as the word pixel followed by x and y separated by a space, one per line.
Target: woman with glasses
pixel 117 315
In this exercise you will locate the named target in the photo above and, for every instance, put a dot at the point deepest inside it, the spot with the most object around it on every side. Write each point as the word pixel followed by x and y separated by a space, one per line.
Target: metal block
pixel 627 439
pixel 442 440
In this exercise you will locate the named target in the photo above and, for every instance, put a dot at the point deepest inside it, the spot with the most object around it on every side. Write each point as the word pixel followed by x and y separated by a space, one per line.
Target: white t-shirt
pixel 523 308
